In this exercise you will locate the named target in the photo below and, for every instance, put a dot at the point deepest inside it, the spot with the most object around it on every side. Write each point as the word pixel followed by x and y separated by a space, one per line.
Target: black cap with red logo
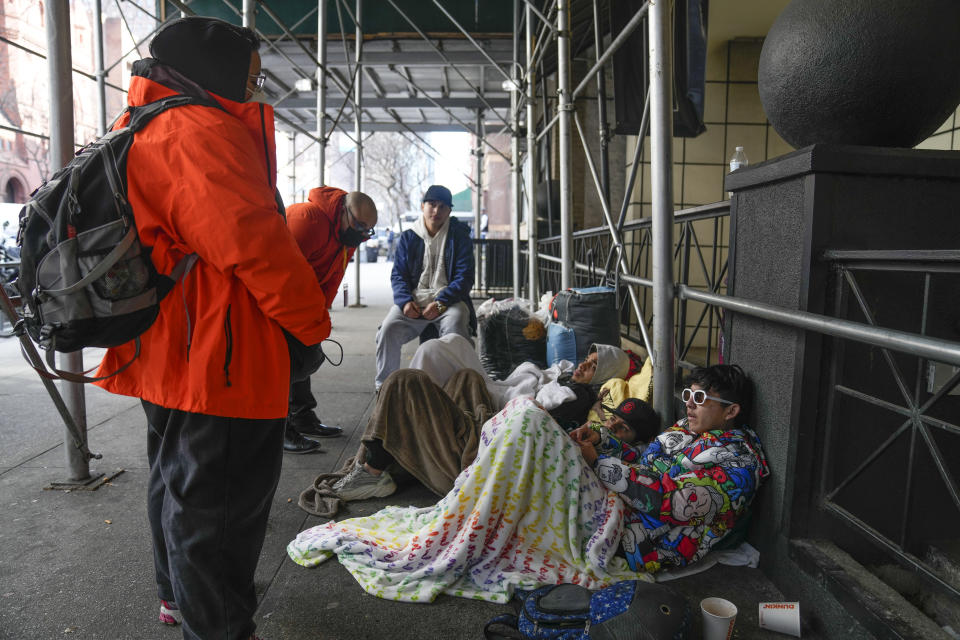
pixel 639 416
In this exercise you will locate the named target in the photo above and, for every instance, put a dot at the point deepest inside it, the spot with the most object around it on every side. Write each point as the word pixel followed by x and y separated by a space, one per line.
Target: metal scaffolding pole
pixel 661 181
pixel 548 153
pixel 249 14
pixel 615 234
pixel 541 39
pixel 358 132
pixel 515 149
pixel 476 45
pixel 61 152
pixel 477 91
pixel 98 53
pixel 530 90
pixel 564 109
pixel 601 105
pixel 478 152
pixel 618 42
pixel 43 56
pixel 450 113
pixel 322 92
pixel 531 6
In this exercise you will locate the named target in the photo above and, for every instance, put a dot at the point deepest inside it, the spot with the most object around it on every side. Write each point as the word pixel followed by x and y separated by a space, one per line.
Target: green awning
pixel 463 201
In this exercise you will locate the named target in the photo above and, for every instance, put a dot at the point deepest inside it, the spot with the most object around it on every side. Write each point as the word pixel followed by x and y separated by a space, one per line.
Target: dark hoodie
pixel 213 53
pixel 612 362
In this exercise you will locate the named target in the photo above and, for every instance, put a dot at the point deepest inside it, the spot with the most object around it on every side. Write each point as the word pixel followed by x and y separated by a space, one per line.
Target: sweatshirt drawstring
pixel 228 331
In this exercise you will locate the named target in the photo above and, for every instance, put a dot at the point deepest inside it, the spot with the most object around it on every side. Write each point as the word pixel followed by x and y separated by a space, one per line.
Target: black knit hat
pixel 213 53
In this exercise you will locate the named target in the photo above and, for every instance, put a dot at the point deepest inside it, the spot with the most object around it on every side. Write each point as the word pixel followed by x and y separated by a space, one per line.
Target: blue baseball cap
pixel 440 194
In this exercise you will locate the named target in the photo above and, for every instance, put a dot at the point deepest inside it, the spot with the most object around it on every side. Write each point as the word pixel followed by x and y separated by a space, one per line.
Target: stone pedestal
pixel 785 214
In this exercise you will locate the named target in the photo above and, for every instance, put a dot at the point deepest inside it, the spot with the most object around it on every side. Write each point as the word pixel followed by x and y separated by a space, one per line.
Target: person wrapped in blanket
pixel 433 432
pixel 694 482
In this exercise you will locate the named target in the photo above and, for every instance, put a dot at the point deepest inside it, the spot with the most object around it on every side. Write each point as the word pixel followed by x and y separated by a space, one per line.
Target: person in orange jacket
pixel 213 371
pixel 328 228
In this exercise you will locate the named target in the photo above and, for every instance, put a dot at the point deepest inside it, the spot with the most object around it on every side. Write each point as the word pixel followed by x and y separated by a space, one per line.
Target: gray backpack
pixel 85 279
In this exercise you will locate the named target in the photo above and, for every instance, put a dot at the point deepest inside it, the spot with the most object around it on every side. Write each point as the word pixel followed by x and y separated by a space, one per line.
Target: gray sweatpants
pixel 397 330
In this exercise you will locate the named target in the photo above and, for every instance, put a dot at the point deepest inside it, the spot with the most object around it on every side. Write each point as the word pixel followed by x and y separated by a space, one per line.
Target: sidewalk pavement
pixel 78 564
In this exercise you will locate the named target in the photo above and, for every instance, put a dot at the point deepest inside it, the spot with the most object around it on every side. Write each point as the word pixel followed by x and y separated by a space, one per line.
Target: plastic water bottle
pixel 737 161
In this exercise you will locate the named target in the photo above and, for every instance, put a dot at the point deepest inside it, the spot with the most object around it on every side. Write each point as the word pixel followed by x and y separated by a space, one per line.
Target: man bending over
pixel 328 229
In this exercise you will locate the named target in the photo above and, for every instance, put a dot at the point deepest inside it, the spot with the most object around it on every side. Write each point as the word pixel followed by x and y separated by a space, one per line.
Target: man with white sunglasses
pixel 695 482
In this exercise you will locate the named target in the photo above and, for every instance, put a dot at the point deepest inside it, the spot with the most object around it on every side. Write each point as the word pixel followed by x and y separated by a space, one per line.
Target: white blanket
pixel 527 512
pixel 443 357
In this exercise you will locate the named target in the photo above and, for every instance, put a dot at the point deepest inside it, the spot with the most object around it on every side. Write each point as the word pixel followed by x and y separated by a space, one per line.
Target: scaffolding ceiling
pixel 420 69
pixel 403 81
pixel 427 65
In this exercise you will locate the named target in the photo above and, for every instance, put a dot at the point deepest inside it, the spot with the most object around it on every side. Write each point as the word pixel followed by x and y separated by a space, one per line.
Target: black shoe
pixel 309 425
pixel 294 442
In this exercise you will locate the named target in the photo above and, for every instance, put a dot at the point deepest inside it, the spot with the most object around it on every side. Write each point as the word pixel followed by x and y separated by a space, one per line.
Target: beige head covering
pixel 612 362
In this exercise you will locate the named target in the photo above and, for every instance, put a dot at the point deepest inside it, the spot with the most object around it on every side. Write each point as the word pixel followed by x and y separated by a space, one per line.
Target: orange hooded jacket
pixel 315 225
pixel 201 180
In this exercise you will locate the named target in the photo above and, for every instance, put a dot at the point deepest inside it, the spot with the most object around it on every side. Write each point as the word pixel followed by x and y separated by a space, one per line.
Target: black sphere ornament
pixel 865 72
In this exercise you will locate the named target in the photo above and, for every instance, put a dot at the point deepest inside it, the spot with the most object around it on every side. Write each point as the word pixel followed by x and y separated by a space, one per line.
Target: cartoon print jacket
pixel 684 491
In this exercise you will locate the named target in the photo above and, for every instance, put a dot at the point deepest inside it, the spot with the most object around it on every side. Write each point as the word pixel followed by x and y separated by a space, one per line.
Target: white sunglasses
pixel 700 396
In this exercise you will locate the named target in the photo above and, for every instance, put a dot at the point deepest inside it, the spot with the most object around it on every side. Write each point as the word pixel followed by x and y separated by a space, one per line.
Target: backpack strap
pixel 31 355
pixel 53 373
pixel 141 115
pixel 184 266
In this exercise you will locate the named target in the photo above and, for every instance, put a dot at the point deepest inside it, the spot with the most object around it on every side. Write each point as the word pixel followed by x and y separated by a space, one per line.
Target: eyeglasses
pixel 357 225
pixel 700 396
pixel 257 80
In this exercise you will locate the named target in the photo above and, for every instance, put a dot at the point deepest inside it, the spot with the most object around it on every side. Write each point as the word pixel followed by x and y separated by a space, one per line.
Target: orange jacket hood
pixel 255 116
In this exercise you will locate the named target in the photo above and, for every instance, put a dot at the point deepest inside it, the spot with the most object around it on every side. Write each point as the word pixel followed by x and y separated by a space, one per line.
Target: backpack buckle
pixel 45 337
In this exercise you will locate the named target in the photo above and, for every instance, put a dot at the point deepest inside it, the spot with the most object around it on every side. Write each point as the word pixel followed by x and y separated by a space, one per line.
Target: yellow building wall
pixel 733 115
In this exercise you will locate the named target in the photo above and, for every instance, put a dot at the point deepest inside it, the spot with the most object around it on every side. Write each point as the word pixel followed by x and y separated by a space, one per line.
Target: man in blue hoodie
pixel 432 277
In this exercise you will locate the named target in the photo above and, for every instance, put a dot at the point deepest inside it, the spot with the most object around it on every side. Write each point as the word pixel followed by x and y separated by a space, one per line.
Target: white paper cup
pixel 780 616
pixel 718 618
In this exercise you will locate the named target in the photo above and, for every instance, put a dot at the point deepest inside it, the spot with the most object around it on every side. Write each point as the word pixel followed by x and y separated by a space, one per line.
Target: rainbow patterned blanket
pixel 527 512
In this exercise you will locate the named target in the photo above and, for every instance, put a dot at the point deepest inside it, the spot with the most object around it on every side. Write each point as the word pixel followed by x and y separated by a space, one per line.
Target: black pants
pixel 301 398
pixel 211 484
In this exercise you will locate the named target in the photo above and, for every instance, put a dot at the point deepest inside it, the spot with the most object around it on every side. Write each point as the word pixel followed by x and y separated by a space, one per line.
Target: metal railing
pixel 912 396
pixel 893 425
pixel 700 260
pixel 495 267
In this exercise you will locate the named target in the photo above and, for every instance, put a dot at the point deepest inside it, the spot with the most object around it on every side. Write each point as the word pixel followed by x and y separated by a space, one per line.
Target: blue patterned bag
pixel 627 610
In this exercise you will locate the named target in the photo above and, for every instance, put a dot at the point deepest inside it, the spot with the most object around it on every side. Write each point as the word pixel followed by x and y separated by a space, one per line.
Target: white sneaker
pixel 360 484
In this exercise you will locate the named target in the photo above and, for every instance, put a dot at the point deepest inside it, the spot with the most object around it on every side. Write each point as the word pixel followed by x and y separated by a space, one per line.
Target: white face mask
pixel 259 96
